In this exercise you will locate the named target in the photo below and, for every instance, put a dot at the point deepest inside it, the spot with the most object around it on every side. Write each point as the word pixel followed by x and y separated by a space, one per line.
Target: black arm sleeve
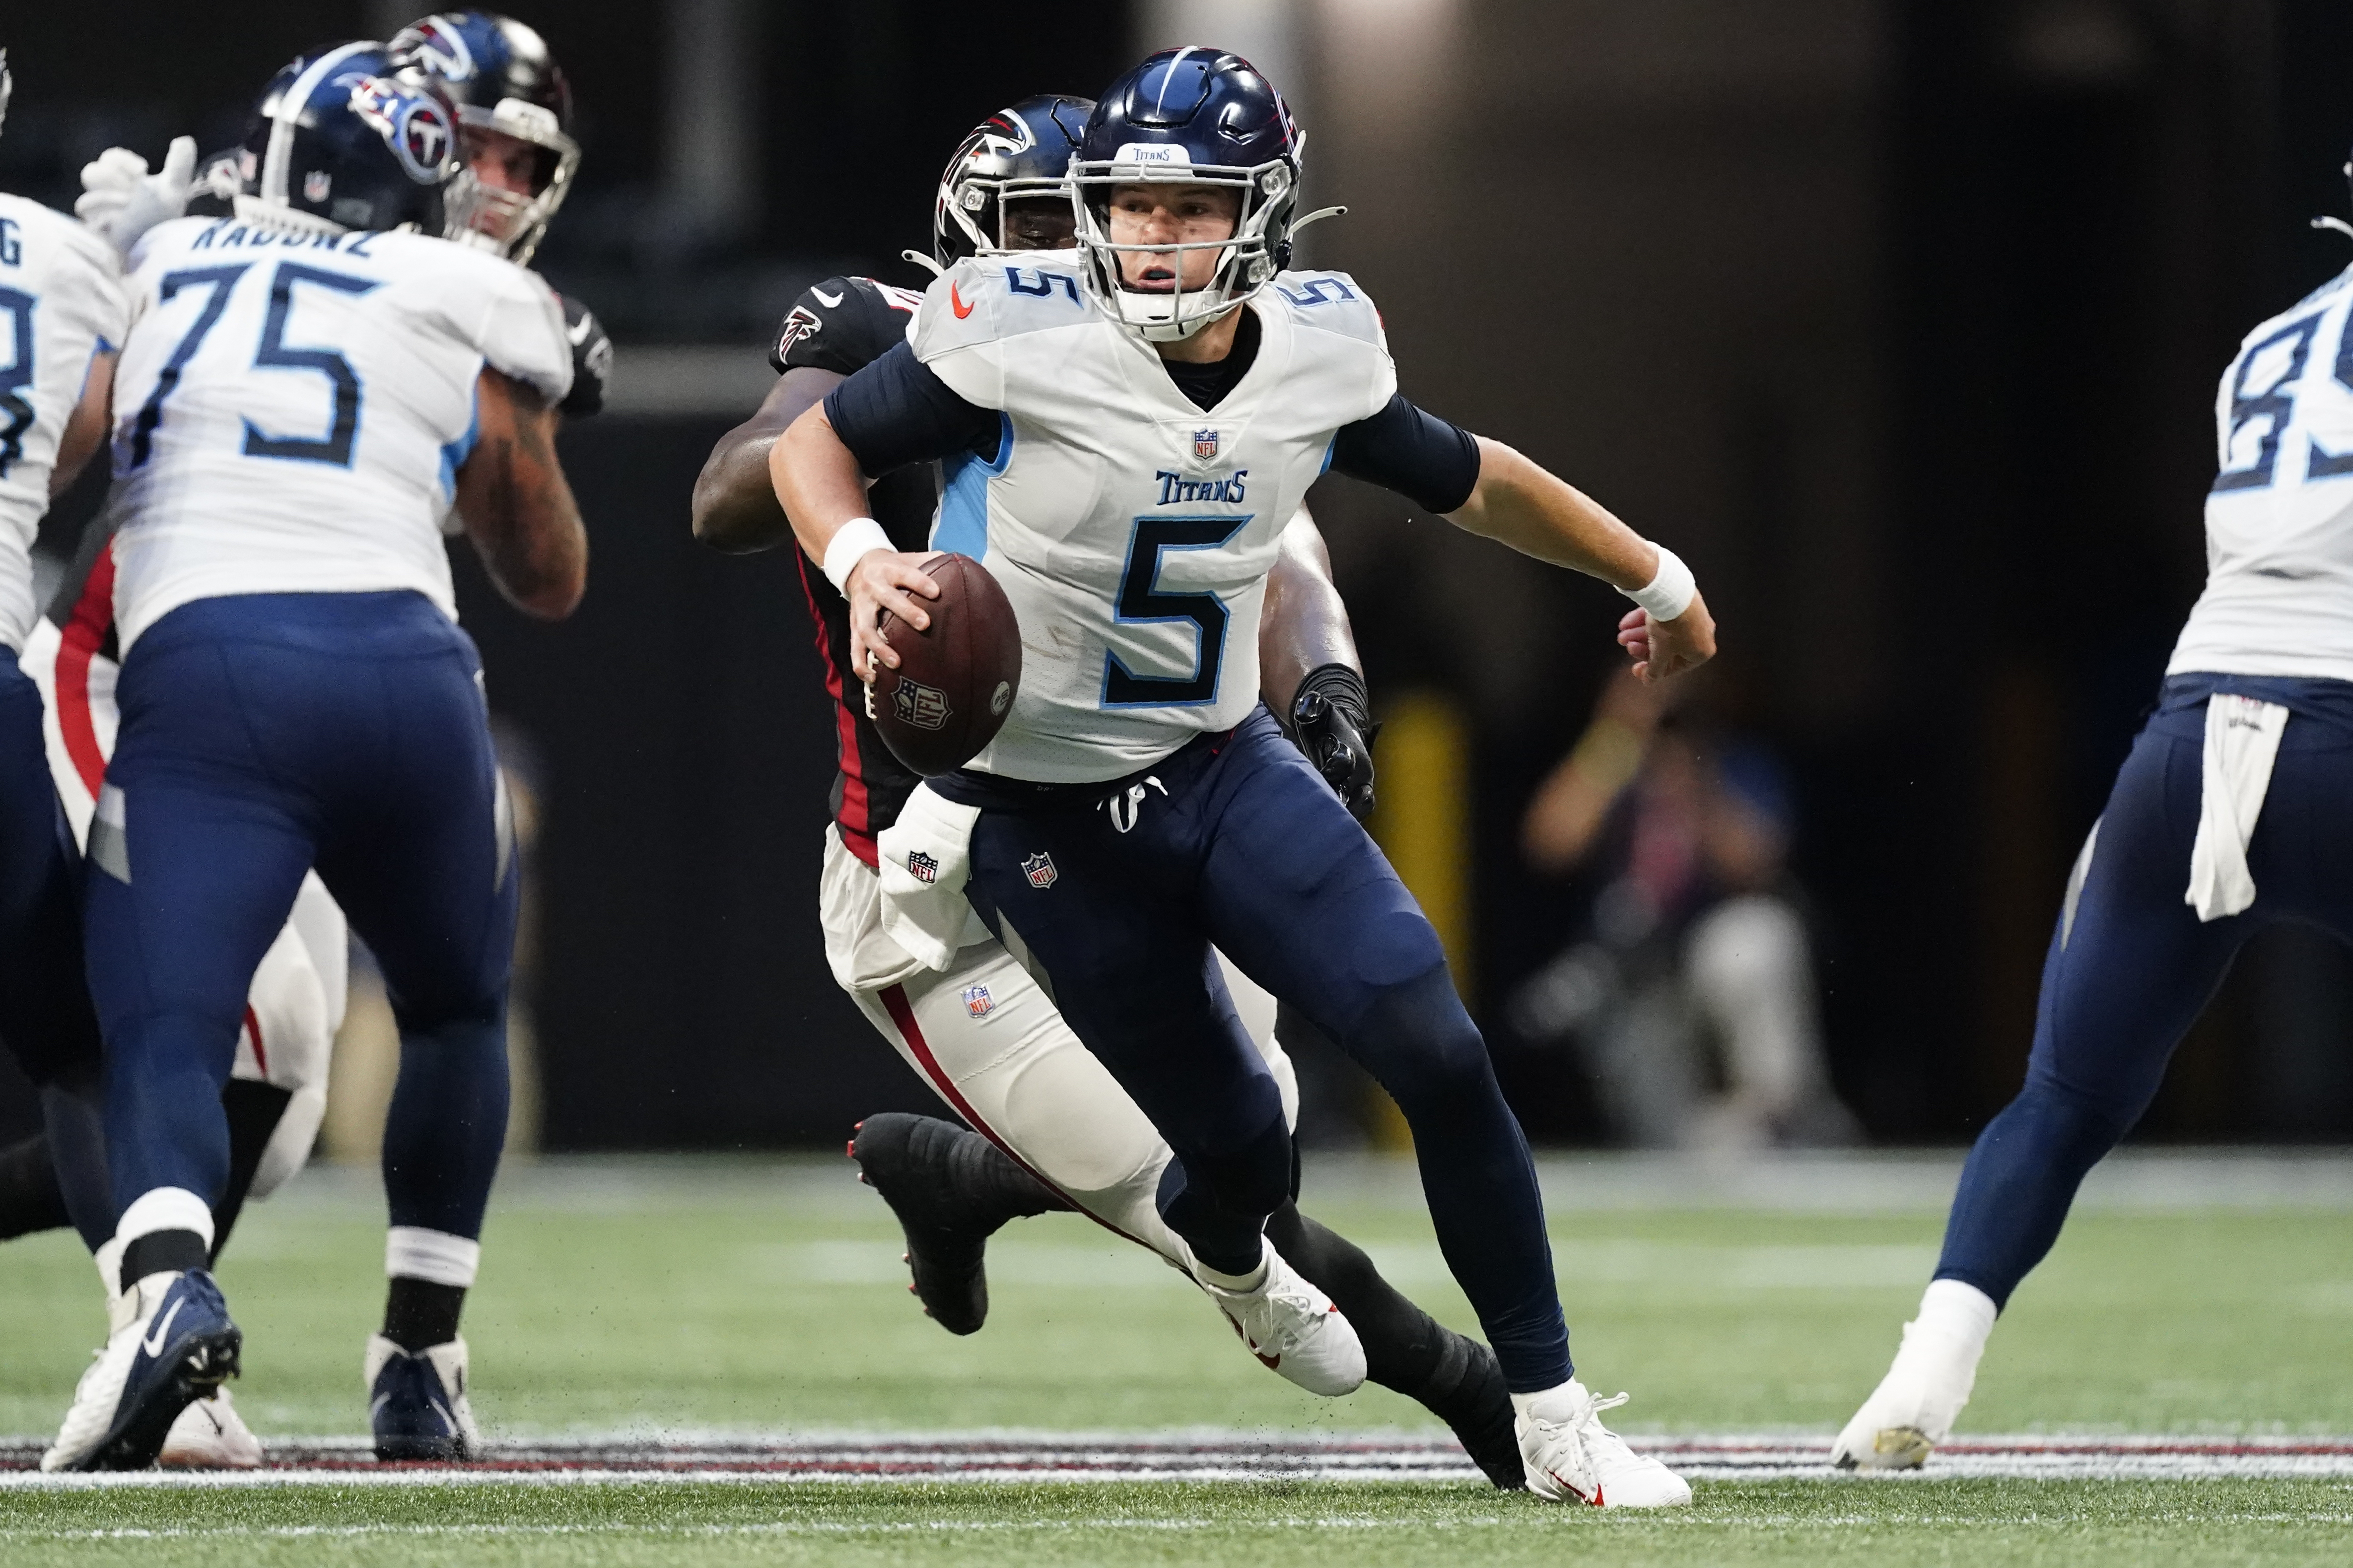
pixel 1432 463
pixel 896 412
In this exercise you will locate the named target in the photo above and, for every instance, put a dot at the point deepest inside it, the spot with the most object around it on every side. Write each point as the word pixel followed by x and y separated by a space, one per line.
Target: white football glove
pixel 121 200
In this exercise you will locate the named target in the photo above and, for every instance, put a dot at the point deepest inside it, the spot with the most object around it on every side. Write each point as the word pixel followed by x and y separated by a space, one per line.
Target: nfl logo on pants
pixel 1040 869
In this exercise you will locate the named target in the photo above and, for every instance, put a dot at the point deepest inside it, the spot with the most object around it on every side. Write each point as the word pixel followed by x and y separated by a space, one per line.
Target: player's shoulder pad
pixel 45 227
pixel 842 324
pixel 1329 301
pixel 986 300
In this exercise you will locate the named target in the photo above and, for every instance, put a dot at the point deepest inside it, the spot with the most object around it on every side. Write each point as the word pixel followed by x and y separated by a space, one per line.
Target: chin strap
pixel 2338 224
pixel 920 259
pixel 1318 216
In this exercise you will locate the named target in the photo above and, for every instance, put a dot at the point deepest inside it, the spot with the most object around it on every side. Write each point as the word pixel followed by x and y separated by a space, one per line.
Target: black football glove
pixel 592 360
pixel 1332 722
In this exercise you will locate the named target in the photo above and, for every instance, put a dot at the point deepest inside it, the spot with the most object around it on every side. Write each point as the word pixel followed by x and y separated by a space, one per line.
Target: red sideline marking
pixel 856 818
pixel 253 1031
pixel 894 999
pixel 83 635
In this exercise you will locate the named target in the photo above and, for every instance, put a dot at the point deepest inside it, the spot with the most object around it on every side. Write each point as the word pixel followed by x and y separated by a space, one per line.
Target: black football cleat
pixel 1478 1406
pixel 911 1161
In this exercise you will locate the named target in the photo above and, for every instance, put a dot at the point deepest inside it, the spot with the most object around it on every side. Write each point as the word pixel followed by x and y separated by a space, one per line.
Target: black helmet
pixel 343 139
pixel 502 78
pixel 1017 154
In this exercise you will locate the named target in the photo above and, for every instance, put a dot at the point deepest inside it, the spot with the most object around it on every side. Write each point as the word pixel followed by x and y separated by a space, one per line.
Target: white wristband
pixel 850 541
pixel 1667 595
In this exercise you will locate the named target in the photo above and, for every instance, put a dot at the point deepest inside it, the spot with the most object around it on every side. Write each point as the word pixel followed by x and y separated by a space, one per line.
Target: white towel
pixel 2242 739
pixel 926 857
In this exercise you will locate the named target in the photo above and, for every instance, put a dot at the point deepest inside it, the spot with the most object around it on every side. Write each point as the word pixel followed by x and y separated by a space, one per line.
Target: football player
pixel 63 316
pixel 514 112
pixel 983 1033
pixel 2226 818
pixel 294 692
pixel 1132 426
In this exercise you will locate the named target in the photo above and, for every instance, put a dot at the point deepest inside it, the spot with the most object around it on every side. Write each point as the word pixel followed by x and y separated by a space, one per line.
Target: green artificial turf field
pixel 636 1295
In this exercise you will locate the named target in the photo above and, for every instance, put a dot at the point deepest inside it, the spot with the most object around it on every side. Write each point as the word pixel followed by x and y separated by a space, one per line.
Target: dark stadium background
pixel 1899 318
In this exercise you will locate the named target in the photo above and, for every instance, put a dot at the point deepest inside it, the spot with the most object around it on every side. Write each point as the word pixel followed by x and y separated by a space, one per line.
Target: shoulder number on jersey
pixel 2263 386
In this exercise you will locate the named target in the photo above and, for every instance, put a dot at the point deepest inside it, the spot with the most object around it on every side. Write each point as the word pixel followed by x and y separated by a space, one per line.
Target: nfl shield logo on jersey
pixel 1205 444
pixel 921 867
pixel 978 1002
pixel 1040 869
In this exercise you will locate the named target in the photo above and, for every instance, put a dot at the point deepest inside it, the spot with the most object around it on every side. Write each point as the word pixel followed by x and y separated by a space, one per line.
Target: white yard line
pixel 1010 1456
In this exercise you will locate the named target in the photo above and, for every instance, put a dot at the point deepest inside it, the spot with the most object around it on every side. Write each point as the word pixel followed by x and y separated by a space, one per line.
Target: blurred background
pixel 1899 319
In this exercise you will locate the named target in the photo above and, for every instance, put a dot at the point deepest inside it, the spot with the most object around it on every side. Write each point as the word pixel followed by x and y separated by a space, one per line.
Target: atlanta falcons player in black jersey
pixel 951 1188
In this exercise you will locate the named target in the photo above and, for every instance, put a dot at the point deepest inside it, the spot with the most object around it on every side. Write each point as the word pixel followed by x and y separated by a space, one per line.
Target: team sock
pixel 30 1198
pixel 163 1251
pixel 419 1314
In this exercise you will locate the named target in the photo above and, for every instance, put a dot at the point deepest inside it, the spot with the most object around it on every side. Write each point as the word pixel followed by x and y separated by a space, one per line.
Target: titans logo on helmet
pixel 416 127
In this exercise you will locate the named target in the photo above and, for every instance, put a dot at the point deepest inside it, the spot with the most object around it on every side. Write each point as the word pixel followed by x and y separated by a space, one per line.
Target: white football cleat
pixel 1572 1456
pixel 210 1435
pixel 1294 1329
pixel 1915 1404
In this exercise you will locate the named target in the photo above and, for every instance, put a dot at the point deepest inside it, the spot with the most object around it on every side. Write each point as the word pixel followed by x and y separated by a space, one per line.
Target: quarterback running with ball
pixel 1132 425
pixel 1055 1131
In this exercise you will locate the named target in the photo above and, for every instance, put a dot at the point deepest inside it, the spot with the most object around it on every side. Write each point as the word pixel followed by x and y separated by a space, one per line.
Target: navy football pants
pixel 2125 979
pixel 263 734
pixel 45 1012
pixel 1236 841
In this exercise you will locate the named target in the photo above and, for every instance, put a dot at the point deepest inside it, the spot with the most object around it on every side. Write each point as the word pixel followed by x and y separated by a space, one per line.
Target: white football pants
pixel 988 1040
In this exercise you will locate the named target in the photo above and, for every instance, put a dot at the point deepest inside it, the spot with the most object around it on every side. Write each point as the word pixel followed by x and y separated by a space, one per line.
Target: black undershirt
pixel 1207 384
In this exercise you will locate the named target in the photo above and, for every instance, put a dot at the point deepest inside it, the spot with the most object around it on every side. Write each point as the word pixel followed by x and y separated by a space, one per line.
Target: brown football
pixel 956 680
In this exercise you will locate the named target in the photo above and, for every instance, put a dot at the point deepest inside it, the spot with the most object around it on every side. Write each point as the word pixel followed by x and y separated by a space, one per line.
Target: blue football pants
pixel 1114 894
pixel 263 734
pixel 2130 972
pixel 46 1020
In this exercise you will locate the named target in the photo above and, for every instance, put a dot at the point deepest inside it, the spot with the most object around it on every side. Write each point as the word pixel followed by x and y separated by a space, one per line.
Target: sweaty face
pixel 1171 214
pixel 1039 223
pixel 501 162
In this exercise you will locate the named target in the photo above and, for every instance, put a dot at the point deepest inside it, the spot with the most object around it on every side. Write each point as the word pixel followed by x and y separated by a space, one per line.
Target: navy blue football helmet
pixel 1192 116
pixel 503 78
pixel 343 141
pixel 1016 155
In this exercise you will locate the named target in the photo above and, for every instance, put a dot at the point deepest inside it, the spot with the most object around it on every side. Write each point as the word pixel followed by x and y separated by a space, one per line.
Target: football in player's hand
pixel 956 680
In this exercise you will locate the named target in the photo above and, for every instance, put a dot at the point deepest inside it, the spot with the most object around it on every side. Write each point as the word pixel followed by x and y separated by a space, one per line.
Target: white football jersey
pixel 291 408
pixel 61 302
pixel 1132 531
pixel 2279 521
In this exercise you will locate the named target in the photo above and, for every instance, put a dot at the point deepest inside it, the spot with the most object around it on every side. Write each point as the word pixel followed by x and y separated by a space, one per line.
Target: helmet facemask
pixel 7 85
pixel 510 222
pixel 1259 247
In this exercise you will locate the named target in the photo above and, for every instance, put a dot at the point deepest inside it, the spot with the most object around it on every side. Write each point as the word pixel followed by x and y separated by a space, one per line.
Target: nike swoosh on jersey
pixel 830 302
pixel 154 1343
pixel 956 302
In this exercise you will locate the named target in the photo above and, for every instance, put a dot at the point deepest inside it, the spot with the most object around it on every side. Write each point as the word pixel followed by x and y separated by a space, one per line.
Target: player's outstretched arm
pixel 517 506
pixel 85 427
pixel 822 490
pixel 735 507
pixel 1520 504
